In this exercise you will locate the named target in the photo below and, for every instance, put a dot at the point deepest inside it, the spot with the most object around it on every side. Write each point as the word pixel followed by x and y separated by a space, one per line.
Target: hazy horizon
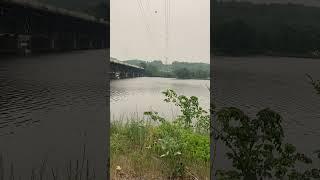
pixel 173 60
pixel 137 36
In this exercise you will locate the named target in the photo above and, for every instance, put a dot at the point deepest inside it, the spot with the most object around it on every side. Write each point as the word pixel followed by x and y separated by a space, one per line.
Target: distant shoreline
pixel 181 78
pixel 309 56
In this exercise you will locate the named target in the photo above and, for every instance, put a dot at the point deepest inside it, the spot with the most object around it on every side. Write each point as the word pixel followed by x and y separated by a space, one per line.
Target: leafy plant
pixel 256 145
pixel 196 146
pixel 314 172
pixel 193 115
pixel 190 110
pixel 176 141
pixel 314 83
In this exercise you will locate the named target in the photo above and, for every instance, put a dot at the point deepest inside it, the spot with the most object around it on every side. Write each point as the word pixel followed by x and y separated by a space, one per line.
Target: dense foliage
pixel 242 28
pixel 181 70
pixel 187 137
pixel 256 146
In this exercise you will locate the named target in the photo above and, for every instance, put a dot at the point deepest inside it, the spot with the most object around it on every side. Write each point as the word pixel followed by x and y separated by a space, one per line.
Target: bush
pixel 256 145
pixel 256 148
pixel 184 139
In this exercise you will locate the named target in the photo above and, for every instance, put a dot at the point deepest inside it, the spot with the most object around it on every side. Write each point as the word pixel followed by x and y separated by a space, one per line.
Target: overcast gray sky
pixel 189 30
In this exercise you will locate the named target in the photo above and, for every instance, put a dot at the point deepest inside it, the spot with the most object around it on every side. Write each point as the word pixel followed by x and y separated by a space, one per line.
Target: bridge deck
pixel 48 8
pixel 116 61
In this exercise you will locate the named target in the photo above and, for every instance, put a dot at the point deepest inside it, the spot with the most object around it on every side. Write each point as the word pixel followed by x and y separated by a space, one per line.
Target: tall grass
pixel 73 170
pixel 158 148
pixel 133 149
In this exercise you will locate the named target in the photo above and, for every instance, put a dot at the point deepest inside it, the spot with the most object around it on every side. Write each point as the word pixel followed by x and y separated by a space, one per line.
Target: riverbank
pixel 156 147
pixel 172 77
pixel 137 153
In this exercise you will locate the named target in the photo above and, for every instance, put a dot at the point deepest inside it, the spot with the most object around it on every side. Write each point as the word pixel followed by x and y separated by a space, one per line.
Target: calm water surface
pixel 255 83
pixel 137 95
pixel 50 105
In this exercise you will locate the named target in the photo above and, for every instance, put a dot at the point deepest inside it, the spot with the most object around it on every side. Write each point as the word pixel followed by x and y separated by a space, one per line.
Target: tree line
pixel 180 70
pixel 244 28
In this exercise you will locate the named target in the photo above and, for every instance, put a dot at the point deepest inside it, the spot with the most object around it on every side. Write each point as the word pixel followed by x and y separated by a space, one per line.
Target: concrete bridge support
pixel 26 29
pixel 121 70
pixel 23 44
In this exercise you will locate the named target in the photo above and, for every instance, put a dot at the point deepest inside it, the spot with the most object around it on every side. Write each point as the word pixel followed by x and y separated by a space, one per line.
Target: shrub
pixel 184 139
pixel 255 146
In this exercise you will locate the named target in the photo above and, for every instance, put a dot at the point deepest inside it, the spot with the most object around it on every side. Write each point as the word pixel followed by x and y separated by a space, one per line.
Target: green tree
pixel 182 73
pixel 152 70
pixel 244 28
pixel 201 74
pixel 256 146
pixel 143 65
pixel 234 37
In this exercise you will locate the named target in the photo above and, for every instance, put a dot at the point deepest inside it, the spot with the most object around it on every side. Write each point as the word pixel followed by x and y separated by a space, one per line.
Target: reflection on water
pixel 137 95
pixel 50 106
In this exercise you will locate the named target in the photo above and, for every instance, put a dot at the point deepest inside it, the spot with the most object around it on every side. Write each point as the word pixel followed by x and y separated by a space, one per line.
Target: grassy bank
pixel 156 148
pixel 135 150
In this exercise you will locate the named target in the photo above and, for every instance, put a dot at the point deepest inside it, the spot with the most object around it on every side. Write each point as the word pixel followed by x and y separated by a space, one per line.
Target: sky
pixel 188 30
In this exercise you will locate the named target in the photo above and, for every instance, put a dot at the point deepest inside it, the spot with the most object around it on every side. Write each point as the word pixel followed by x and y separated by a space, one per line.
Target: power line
pixel 146 15
pixel 165 30
pixel 148 5
pixel 167 25
pixel 168 30
pixel 140 7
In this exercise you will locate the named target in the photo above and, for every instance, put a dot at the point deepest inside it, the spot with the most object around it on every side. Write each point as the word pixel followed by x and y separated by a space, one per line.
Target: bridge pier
pixel 52 43
pixel 23 44
pixel 75 41
pixel 26 27
pixel 124 75
pixel 124 70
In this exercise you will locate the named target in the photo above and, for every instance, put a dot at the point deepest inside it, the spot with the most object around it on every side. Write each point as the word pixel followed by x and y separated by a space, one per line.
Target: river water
pixel 51 107
pixel 255 83
pixel 131 97
pixel 47 102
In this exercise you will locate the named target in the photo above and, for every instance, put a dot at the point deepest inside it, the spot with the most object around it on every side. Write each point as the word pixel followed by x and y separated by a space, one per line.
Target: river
pixel 254 83
pixel 49 101
pixel 131 97
pixel 51 106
